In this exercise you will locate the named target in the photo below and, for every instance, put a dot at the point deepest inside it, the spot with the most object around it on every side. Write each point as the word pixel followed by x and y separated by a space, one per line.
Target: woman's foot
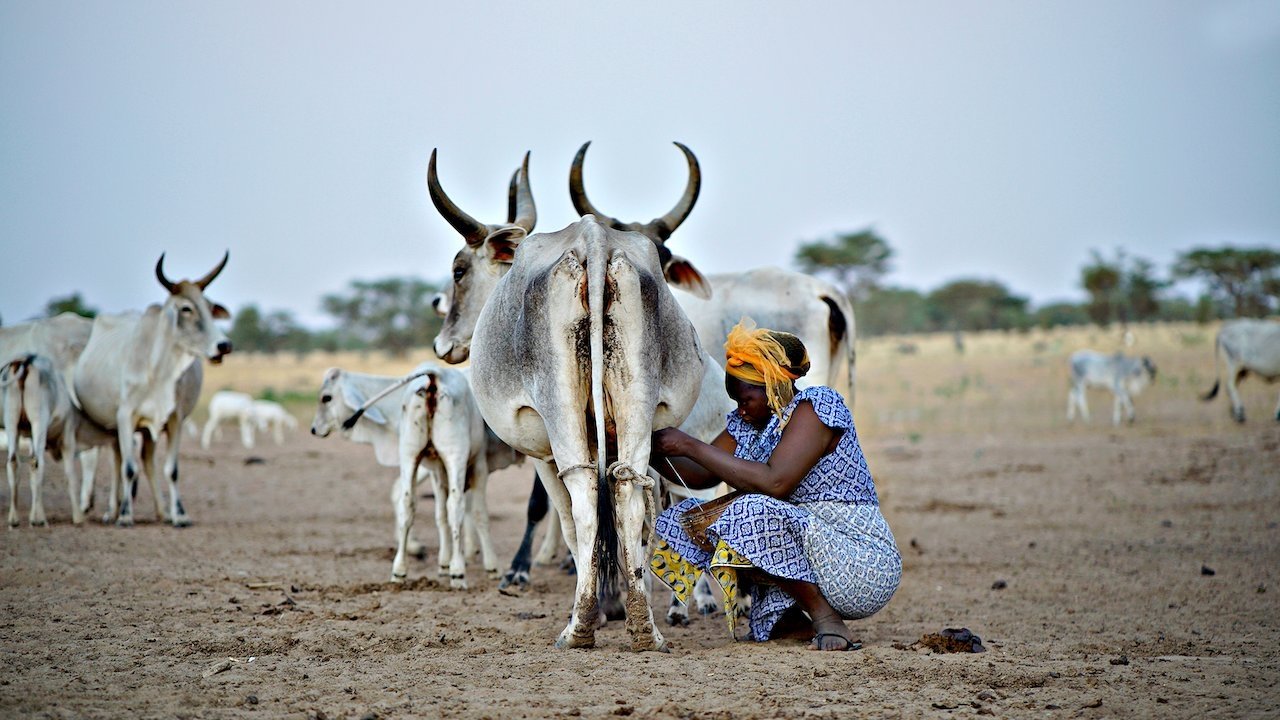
pixel 831 634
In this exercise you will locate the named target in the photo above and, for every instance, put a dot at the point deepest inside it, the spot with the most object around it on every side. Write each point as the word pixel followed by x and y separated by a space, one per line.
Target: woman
pixel 805 532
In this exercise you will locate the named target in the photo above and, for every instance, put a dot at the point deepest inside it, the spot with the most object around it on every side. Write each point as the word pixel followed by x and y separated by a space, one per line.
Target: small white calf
pixel 227 405
pixel 1123 376
pixel 268 415
pixel 395 424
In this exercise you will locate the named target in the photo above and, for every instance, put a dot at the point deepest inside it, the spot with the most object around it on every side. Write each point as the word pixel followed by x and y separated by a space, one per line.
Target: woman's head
pixel 766 360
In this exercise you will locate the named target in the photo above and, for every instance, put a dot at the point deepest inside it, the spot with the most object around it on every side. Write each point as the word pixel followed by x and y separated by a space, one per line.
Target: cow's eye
pixel 458 272
pixel 326 398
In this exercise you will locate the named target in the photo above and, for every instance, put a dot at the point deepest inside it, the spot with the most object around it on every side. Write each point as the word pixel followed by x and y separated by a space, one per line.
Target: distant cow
pixel 1247 346
pixel 229 405
pixel 1123 376
pixel 270 415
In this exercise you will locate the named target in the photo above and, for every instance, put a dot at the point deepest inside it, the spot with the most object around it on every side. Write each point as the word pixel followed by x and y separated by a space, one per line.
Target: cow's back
pixel 1254 344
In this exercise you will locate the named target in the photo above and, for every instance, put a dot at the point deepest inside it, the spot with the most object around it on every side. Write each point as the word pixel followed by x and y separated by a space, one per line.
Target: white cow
pixel 1123 376
pixel 126 379
pixel 573 318
pixel 35 402
pixel 61 339
pixel 229 405
pixel 270 415
pixel 814 310
pixel 1246 346
pixel 443 448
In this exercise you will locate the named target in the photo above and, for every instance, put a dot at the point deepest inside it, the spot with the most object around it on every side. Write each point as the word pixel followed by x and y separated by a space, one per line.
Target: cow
pixel 812 309
pixel 1123 376
pixel 1246 346
pixel 229 405
pixel 35 402
pixel 126 379
pixel 572 318
pixel 61 339
pixel 271 415
pixel 444 447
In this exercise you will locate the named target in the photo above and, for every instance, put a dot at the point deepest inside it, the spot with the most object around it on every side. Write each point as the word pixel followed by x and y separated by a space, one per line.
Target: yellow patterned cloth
pixel 680 575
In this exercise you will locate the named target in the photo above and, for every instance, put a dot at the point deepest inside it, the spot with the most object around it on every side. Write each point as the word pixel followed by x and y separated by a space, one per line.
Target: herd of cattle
pixel 581 342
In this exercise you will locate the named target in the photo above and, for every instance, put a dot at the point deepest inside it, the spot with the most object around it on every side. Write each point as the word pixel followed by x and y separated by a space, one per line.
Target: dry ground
pixel 1103 538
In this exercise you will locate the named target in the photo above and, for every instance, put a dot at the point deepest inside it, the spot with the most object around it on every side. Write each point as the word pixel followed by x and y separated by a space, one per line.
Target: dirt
pixel 279 588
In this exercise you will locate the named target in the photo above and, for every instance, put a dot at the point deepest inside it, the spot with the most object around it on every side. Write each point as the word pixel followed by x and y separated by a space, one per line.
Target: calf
pixel 268 415
pixel 404 435
pixel 1124 376
pixel 36 404
pixel 229 405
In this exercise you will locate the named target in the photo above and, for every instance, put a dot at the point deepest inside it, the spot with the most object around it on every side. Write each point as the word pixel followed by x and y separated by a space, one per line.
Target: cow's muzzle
pixel 223 348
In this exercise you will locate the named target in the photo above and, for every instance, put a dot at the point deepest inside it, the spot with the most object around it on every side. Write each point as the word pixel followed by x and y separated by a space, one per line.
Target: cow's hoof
pixel 124 522
pixel 443 571
pixel 40 523
pixel 675 619
pixel 708 607
pixel 519 578
pixel 398 577
pixel 13 522
pixel 569 641
pixel 649 643
pixel 492 573
pixel 458 582
pixel 182 521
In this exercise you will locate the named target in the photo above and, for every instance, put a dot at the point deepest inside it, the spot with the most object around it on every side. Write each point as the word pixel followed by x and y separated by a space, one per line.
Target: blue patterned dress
pixel 828 532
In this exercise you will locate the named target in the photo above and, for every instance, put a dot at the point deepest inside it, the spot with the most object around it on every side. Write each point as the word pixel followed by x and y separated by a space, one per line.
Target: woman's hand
pixel 671 441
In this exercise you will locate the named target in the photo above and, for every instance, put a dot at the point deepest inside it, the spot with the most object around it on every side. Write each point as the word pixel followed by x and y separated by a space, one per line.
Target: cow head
pixel 678 271
pixel 481 263
pixel 338 398
pixel 193 314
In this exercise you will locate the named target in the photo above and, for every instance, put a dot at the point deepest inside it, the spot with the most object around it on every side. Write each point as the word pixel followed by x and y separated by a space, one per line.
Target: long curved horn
pixel 168 285
pixel 578 194
pixel 520 208
pixel 471 229
pixel 672 220
pixel 203 282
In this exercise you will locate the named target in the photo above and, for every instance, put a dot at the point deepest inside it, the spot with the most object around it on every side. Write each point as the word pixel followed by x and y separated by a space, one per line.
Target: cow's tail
pixel 840 339
pixel 360 411
pixel 15 371
pixel 607 547
pixel 1217 369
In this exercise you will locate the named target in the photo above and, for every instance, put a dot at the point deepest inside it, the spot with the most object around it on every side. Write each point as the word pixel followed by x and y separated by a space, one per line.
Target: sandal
pixel 848 644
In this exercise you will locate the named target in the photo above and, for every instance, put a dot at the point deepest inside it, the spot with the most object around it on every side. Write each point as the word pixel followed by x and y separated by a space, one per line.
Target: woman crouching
pixel 803 533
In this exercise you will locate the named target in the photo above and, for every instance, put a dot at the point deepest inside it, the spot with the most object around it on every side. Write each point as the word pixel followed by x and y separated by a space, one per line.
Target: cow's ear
pixel 502 243
pixel 219 312
pixel 355 399
pixel 684 275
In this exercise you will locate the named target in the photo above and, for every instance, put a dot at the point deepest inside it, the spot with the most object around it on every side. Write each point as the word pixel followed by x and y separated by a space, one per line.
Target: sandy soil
pixel 1100 537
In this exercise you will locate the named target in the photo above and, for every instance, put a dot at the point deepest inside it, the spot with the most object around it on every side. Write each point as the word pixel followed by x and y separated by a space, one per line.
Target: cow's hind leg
pixel 478 509
pixel 39 439
pixel 177 513
pixel 11 469
pixel 404 498
pixel 1233 378
pixel 151 465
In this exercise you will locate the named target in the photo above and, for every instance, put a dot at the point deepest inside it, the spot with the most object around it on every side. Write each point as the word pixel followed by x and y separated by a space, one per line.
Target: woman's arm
pixel 691 474
pixel 804 441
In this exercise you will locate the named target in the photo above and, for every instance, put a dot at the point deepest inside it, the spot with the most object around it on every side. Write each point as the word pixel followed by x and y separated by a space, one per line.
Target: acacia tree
pixel 977 305
pixel 1247 280
pixel 394 314
pixel 856 260
pixel 1124 289
pixel 72 303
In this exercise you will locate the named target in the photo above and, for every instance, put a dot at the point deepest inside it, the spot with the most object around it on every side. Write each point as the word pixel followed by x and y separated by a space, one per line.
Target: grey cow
pixel 1246 346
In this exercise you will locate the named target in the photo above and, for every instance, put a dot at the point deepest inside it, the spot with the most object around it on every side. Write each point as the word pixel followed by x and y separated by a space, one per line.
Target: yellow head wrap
pixel 759 356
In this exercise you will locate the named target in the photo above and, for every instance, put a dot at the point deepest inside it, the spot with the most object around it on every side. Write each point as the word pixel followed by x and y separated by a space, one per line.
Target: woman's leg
pixel 826 621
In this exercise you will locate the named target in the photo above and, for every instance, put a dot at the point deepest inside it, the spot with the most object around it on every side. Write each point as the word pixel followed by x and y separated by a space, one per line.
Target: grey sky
pixel 994 139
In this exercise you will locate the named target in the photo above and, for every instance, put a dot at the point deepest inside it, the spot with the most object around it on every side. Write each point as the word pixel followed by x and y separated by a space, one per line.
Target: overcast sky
pixel 996 139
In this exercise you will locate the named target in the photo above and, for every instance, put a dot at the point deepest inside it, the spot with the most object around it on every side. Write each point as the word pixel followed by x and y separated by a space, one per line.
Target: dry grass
pixel 1002 380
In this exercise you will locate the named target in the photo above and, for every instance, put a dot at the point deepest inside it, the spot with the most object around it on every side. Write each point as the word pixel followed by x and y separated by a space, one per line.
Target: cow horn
pixel 578 194
pixel 160 275
pixel 203 282
pixel 472 231
pixel 668 223
pixel 520 208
